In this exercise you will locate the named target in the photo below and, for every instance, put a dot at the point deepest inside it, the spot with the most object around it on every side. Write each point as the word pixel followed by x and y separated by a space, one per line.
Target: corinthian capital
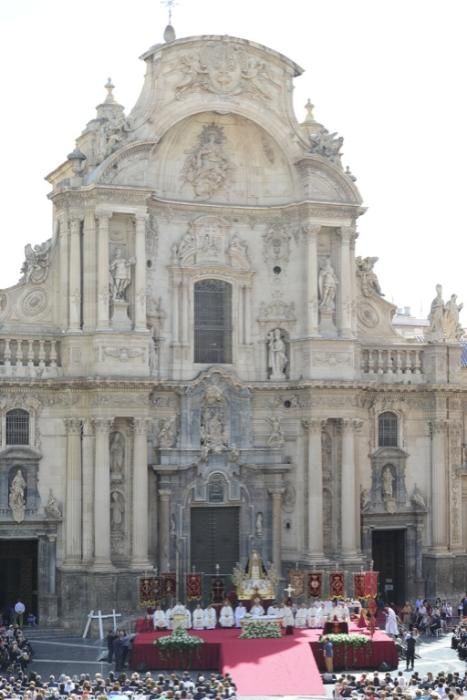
pixel 72 425
pixel 438 425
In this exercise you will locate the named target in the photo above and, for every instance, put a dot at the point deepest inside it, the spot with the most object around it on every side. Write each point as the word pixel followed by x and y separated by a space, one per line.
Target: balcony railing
pixel 394 363
pixel 30 357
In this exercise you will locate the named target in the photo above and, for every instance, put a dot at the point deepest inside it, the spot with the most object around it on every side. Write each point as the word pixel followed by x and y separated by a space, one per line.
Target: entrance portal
pixel 388 552
pixel 214 539
pixel 18 580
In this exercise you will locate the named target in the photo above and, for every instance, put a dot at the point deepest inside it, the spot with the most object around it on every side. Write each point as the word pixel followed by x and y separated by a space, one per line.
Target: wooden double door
pixel 388 551
pixel 215 539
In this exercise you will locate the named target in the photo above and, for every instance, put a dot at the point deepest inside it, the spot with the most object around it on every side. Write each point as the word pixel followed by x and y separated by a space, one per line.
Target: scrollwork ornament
pixel 35 302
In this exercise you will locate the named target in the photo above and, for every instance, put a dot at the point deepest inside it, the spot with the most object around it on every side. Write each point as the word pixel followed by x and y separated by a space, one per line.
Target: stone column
pixel 88 491
pixel 52 564
pixel 139 556
pixel 140 273
pixel 63 261
pixel 103 274
pixel 438 485
pixel 74 309
pixel 102 495
pixel 346 286
pixel 72 515
pixel 349 497
pixel 164 530
pixel 89 270
pixel 315 489
pixel 276 495
pixel 311 232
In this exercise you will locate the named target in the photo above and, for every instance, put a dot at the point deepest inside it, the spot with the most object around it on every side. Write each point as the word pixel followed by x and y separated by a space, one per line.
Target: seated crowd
pixel 459 640
pixel 300 616
pixel 384 685
pixel 15 650
pixel 175 686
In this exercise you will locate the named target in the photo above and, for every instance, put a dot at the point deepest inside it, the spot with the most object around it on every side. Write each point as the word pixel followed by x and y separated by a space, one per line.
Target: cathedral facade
pixel 198 364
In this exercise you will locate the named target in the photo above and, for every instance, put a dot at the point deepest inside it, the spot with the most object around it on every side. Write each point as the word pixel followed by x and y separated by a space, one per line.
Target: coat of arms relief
pixel 224 69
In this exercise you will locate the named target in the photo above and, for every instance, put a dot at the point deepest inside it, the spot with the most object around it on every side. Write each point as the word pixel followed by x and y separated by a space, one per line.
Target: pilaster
pixel 72 549
pixel 315 489
pixel 103 281
pixel 102 560
pixel 140 272
pixel 349 497
pixel 139 557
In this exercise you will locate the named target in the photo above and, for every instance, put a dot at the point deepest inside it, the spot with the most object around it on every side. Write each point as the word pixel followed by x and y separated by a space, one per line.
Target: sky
pixel 387 75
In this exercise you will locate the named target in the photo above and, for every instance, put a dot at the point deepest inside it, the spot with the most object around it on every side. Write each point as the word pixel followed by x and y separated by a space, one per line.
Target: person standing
pixel 328 651
pixel 19 612
pixel 410 653
pixel 391 627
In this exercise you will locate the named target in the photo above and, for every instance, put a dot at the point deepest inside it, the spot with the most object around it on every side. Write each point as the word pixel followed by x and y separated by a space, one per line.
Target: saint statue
pixel 277 355
pixel 120 269
pixel 255 568
pixel 17 500
pixel 327 286
pixel 117 455
pixel 117 509
pixel 436 315
pixel 388 483
pixel 52 509
pixel 454 330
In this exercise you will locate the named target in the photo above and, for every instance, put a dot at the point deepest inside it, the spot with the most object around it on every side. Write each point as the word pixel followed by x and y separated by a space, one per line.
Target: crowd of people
pixel 15 650
pixel 372 685
pixel 183 686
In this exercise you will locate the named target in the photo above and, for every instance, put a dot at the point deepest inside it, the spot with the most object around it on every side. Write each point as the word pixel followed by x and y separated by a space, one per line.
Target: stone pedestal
pixel 120 319
pixel 327 326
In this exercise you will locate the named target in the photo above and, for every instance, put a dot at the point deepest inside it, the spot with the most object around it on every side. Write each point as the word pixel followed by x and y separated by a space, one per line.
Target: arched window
pixel 213 321
pixel 387 430
pixel 17 427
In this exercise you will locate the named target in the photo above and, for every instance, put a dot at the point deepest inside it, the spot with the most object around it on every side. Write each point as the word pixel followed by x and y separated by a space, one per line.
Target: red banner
pixel 371 584
pixel 149 591
pixel 193 587
pixel 315 584
pixel 336 584
pixel 359 585
pixel 169 585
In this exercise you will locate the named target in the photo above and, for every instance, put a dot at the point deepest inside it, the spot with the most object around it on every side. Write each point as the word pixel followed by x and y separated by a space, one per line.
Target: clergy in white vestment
pixel 273 610
pixel 169 618
pixel 188 619
pixel 159 619
pixel 210 618
pixel 240 612
pixel 179 616
pixel 301 616
pixel 226 617
pixel 257 609
pixel 391 622
pixel 287 616
pixel 198 618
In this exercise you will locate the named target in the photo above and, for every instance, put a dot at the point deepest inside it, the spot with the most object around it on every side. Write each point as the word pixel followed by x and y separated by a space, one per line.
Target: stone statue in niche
pixel 387 489
pixel 120 269
pixel 52 509
pixel 117 455
pixel 259 524
pixel 117 510
pixel 327 286
pixel 212 431
pixel 36 265
pixel 167 432
pixel 17 498
pixel 277 355
pixel 417 500
pixel 365 501
pixel 368 278
pixel 276 437
pixel 206 167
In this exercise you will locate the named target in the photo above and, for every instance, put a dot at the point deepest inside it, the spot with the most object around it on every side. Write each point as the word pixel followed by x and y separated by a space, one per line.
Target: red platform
pixel 286 666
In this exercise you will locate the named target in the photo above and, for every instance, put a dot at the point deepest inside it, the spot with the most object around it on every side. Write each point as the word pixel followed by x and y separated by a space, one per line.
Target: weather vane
pixel 169 4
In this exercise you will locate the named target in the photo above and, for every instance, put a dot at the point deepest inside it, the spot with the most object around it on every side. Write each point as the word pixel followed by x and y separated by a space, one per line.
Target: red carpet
pixel 283 666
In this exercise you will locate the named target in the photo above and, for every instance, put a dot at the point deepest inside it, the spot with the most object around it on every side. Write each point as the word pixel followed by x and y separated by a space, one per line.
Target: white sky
pixel 388 75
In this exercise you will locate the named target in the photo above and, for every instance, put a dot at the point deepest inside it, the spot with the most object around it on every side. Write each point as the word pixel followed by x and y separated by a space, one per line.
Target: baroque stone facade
pixel 199 337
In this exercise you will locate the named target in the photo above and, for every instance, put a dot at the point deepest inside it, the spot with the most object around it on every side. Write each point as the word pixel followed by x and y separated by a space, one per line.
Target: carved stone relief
pixel 34 303
pixel 224 69
pixel 203 243
pixel 167 433
pixel 328 145
pixel 276 243
pixel 207 168
pixel 117 448
pixel 276 435
pixel 35 268
pixel 277 310
pixel 369 282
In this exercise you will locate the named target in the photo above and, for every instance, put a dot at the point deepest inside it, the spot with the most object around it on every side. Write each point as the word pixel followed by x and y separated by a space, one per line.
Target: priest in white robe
pixel 257 609
pixel 226 617
pixel 210 618
pixel 301 617
pixel 391 627
pixel 198 618
pixel 240 612
pixel 159 619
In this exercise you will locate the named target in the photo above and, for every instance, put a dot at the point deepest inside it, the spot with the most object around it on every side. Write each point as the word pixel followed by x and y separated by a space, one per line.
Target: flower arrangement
pixel 261 630
pixel 353 640
pixel 179 640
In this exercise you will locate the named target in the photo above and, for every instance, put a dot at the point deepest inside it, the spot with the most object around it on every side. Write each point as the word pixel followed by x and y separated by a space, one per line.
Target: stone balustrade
pixel 30 357
pixel 392 364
